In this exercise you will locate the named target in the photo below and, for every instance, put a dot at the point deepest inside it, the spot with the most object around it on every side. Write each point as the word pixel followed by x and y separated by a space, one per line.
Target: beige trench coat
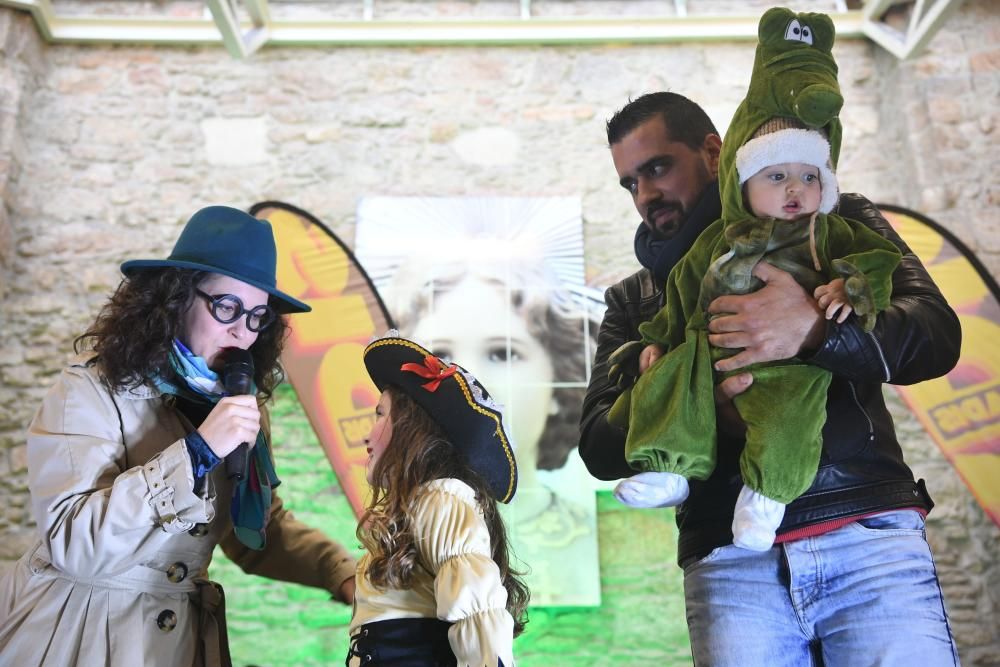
pixel 118 573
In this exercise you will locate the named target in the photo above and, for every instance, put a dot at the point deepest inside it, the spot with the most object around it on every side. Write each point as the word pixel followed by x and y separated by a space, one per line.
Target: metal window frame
pixel 243 39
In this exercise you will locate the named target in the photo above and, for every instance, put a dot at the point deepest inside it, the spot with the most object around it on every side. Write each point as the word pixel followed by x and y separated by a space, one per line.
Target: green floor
pixel 640 623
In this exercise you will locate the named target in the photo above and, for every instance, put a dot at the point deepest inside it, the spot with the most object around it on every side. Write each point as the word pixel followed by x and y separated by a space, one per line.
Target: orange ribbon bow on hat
pixel 433 369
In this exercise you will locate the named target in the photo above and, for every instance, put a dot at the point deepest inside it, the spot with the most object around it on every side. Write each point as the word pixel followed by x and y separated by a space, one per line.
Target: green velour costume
pixel 671 411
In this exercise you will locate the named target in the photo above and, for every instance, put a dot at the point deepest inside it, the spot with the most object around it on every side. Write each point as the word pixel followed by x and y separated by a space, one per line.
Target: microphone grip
pixel 236 462
pixel 237 378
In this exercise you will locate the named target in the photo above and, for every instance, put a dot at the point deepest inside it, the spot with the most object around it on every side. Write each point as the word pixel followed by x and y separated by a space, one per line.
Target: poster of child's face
pixel 495 285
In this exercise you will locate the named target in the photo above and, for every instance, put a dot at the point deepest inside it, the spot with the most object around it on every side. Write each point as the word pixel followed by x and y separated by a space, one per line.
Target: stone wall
pixel 936 114
pixel 105 151
pixel 22 67
pixel 942 129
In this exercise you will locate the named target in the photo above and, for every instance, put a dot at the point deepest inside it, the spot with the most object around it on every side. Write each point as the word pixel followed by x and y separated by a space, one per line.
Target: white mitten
pixel 756 520
pixel 652 489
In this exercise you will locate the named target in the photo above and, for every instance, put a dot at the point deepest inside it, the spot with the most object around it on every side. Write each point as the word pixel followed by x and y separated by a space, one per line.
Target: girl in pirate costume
pixel 435 587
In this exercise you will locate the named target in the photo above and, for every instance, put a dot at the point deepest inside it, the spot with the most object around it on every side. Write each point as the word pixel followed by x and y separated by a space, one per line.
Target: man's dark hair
pixel 686 121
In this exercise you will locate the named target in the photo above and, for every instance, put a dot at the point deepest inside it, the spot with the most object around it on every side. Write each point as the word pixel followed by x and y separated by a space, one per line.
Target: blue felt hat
pixel 455 400
pixel 229 241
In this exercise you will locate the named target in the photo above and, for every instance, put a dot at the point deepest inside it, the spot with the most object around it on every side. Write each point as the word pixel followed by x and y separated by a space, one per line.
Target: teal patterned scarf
pixel 252 495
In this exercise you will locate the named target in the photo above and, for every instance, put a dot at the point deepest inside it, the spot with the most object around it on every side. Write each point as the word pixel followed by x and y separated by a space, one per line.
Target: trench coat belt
pixel 137 578
pixel 211 603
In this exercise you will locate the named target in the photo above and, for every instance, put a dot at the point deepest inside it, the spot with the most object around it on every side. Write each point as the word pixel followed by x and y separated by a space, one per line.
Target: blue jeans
pixel 865 594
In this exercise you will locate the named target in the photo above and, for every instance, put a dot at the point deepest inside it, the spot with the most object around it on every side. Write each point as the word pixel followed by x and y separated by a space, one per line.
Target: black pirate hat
pixel 455 400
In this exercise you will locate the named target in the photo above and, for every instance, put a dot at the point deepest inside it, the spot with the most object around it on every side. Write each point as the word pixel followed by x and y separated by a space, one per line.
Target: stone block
pixel 6 18
pixel 323 134
pixel 935 198
pixel 103 59
pixel 862 120
pixel 441 133
pixel 487 146
pixel 987 122
pixel 33 354
pixel 949 137
pixel 555 113
pixel 945 110
pixel 17 376
pixel 11 354
pixel 63 132
pixel 6 246
pixel 99 174
pixel 28 45
pixel 986 229
pixel 985 62
pixel 8 133
pixel 74 204
pixel 15 543
pixel 18 458
pixel 17 29
pixel 235 141
pixel 10 91
pixel 86 82
pixel 148 76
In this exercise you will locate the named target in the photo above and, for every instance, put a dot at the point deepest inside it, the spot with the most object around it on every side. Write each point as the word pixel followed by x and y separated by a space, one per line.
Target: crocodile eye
pixel 794 31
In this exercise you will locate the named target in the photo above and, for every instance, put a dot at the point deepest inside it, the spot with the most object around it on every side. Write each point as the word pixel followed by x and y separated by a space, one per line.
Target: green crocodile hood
pixel 794 91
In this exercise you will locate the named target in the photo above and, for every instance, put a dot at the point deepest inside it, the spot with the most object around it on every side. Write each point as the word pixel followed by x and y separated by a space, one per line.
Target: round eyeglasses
pixel 227 308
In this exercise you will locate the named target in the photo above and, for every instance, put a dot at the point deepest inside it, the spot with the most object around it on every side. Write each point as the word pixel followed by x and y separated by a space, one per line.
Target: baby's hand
pixel 831 298
pixel 648 356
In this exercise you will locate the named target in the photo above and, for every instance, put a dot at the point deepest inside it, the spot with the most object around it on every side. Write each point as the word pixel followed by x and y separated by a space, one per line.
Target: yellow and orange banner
pixel 961 411
pixel 323 356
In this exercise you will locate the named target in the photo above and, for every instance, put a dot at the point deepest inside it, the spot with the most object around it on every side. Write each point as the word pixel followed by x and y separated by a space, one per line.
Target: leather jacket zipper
pixel 871 426
pixel 881 356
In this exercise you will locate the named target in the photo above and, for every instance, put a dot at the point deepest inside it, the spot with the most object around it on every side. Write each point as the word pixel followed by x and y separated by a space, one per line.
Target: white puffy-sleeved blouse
pixel 461 583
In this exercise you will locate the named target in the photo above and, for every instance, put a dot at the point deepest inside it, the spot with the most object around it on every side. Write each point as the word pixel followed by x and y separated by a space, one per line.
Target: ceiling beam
pixel 926 18
pixel 243 38
pixel 238 42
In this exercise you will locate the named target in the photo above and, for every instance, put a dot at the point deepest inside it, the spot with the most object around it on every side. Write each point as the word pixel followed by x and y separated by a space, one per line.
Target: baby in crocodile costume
pixel 778 190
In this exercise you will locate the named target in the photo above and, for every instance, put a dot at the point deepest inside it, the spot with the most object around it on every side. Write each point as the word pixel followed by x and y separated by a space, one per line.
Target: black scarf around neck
pixel 660 256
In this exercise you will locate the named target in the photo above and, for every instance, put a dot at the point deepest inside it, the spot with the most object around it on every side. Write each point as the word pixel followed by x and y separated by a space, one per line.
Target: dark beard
pixel 656 207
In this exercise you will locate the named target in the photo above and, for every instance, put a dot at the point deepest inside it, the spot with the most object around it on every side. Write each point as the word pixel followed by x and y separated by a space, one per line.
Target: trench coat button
pixel 199 530
pixel 177 572
pixel 167 620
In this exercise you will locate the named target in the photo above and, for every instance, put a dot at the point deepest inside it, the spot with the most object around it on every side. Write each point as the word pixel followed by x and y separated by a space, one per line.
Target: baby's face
pixel 784 191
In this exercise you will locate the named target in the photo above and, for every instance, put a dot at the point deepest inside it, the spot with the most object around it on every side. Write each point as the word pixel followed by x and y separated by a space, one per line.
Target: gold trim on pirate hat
pixel 456 400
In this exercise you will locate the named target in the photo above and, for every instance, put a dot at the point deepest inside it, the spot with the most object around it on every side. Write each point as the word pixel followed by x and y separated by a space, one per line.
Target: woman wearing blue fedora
pixel 124 465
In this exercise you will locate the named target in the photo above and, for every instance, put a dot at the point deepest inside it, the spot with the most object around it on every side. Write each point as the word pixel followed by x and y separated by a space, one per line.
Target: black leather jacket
pixel 861 469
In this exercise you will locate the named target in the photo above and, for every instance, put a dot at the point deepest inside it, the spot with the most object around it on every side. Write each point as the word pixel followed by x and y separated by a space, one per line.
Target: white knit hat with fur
pixel 782 140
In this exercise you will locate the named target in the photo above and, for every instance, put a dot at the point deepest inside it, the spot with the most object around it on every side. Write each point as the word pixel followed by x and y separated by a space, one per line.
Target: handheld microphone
pixel 237 378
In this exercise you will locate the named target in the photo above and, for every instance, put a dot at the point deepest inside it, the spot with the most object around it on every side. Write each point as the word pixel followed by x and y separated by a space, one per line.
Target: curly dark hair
pixel 134 332
pixel 419 452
